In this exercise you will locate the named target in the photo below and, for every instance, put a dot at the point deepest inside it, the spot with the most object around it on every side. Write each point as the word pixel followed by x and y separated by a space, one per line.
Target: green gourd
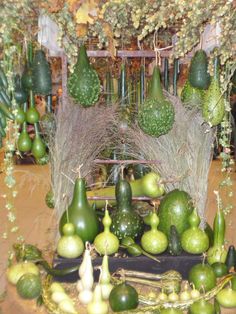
pixel 174 243
pixel 81 214
pixel 174 209
pixel 194 240
pixel 217 252
pixel 125 221
pixel 231 258
pixel 192 97
pixel 83 82
pixel 70 244
pixel 24 142
pixel 156 116
pixel 38 147
pixel 20 116
pixel 27 80
pixel 32 114
pixel 198 75
pixel 201 307
pixel 154 241
pixel 106 242
pixel 20 94
pixel 213 108
pixel 42 81
pixel 29 286
pixel 123 297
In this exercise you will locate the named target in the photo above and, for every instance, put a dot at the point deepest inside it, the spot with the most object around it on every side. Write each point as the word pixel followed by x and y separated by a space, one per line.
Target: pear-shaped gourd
pixel 192 97
pixel 198 75
pixel 24 142
pixel 20 116
pixel 32 114
pixel 97 305
pixel 156 116
pixel 154 241
pixel 213 109
pixel 83 82
pixel 70 244
pixel 106 242
pixel 194 240
pixel 42 81
pixel 125 221
pixel 20 94
pixel 81 214
pixel 38 147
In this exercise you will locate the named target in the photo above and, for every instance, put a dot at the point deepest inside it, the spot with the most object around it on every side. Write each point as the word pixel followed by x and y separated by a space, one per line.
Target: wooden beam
pixel 127 53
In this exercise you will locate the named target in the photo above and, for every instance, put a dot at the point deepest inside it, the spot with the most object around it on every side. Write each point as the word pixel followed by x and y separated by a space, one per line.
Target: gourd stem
pixel 32 103
pixel 36 128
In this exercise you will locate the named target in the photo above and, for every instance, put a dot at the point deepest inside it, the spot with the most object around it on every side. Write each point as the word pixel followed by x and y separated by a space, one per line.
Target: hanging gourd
pixel 38 149
pixel 81 214
pixel 20 116
pixel 154 241
pixel 198 75
pixel 194 240
pixel 32 114
pixel 70 245
pixel 24 142
pixel 213 109
pixel 106 242
pixel 156 116
pixel 42 81
pixel 192 97
pixel 20 94
pixel 83 83
pixel 125 221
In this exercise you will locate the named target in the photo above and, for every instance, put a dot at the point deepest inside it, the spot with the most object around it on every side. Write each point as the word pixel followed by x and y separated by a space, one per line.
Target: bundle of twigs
pixel 80 135
pixel 184 154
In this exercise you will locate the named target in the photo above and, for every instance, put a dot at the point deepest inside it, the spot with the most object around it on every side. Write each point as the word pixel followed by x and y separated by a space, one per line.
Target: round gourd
pixel 171 311
pixel 202 276
pixel 29 286
pixel 174 209
pixel 123 297
pixel 202 307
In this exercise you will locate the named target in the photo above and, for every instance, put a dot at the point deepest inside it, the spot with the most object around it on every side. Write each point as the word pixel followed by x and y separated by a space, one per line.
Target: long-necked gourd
pixel 83 83
pixel 156 116
pixel 81 214
pixel 198 75
pixel 213 109
pixel 41 74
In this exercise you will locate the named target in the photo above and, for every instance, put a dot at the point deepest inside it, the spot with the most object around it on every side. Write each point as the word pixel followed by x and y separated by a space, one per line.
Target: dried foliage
pixel 80 135
pixel 184 154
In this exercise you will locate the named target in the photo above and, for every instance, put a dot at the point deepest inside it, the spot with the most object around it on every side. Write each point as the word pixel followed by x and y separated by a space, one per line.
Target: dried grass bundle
pixel 80 135
pixel 184 154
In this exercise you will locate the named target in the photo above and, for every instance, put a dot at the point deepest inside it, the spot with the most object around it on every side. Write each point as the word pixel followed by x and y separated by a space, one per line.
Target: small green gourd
pixel 154 241
pixel 194 240
pixel 106 242
pixel 42 81
pixel 174 243
pixel 32 114
pixel 38 147
pixel 24 142
pixel 20 116
pixel 213 108
pixel 202 306
pixel 125 221
pixel 156 116
pixel 81 214
pixel 231 258
pixel 83 83
pixel 70 244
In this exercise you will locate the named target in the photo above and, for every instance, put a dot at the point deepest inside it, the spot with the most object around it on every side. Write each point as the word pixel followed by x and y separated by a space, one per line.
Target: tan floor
pixel 38 226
